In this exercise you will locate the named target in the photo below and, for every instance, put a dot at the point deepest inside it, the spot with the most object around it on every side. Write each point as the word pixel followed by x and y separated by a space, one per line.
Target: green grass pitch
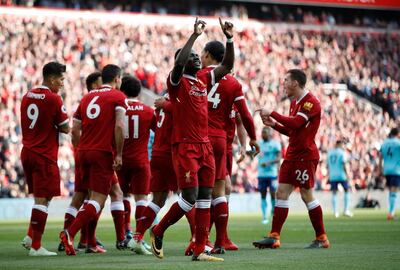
pixel 367 241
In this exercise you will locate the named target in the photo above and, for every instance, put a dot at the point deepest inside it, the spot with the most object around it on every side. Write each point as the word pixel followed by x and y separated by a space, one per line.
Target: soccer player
pixel 339 174
pixel 192 152
pixel 98 142
pixel 43 117
pixel 389 166
pixel 221 97
pixel 268 161
pixel 93 81
pixel 301 159
pixel 134 176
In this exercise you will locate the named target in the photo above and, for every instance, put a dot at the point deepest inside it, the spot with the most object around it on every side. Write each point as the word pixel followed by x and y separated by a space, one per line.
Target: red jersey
pixel 221 97
pixel 162 133
pixel 189 108
pixel 96 112
pixel 138 122
pixel 42 112
pixel 231 127
pixel 302 140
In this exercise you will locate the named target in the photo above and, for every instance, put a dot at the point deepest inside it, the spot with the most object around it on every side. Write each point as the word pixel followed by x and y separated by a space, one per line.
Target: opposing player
pixel 268 161
pixel 192 152
pixel 134 176
pixel 221 97
pixel 43 117
pixel 339 174
pixel 97 111
pixel 389 166
pixel 301 159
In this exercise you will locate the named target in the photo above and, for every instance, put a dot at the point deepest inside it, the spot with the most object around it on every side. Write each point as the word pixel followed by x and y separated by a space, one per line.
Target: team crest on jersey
pixel 308 106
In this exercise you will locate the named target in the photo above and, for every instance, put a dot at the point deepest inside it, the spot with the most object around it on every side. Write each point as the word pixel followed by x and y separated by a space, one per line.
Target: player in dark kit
pixel 301 159
pixel 43 117
pixel 192 152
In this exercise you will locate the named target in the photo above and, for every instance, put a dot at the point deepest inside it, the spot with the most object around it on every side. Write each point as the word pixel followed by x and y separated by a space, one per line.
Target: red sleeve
pixel 77 115
pixel 281 129
pixel 247 119
pixel 290 122
pixel 310 109
pixel 121 101
pixel 153 122
pixel 61 112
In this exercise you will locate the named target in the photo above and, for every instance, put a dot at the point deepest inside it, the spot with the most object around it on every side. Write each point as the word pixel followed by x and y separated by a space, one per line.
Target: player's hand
pixel 255 147
pixel 159 103
pixel 263 112
pixel 227 28
pixel 242 153
pixel 117 163
pixel 199 27
pixel 268 121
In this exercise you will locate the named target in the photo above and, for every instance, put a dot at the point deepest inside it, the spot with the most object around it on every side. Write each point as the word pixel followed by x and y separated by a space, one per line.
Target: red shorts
pixel 79 185
pixel 229 159
pixel 114 179
pixel 163 177
pixel 95 168
pixel 42 175
pixel 135 178
pixel 298 173
pixel 194 164
pixel 219 149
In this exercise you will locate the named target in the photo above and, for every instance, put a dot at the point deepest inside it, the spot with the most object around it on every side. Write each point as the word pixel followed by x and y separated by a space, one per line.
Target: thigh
pixel 100 171
pixel 163 178
pixel 124 179
pixel 334 185
pixel 186 160
pixel 298 173
pixel 206 173
pixel 262 184
pixel 140 179
pixel 219 150
pixel 392 180
pixel 345 185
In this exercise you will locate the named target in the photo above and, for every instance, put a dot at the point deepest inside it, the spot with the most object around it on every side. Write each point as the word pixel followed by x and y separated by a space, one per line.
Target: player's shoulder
pixel 310 97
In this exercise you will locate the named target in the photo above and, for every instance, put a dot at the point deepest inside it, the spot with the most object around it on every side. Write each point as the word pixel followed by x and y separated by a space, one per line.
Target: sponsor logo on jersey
pixel 195 91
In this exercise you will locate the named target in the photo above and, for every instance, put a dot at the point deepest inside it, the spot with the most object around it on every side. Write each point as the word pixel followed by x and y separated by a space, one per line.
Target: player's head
pixel 394 132
pixel 93 81
pixel 266 133
pixel 53 76
pixel 131 86
pixel 339 143
pixel 295 80
pixel 213 53
pixel 111 74
pixel 193 64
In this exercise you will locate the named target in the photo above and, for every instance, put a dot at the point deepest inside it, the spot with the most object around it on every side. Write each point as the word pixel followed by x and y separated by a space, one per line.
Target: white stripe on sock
pixel 117 206
pixel 141 203
pixel 203 204
pixel 40 207
pixel 218 200
pixel 154 207
pixel 282 203
pixel 184 204
pixel 96 205
pixel 72 211
pixel 312 205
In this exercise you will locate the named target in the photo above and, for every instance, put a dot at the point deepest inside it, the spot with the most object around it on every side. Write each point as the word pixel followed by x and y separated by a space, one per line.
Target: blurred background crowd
pixel 365 62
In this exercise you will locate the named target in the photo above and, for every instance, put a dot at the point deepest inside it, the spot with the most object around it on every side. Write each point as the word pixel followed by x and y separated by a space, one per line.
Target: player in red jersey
pixel 192 152
pixel 301 159
pixel 221 97
pixel 96 111
pixel 134 176
pixel 43 117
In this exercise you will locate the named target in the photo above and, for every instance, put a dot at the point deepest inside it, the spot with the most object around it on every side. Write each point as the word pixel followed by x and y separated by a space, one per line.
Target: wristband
pixel 229 40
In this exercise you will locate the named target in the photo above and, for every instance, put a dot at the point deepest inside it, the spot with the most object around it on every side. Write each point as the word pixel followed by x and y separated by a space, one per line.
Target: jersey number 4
pixel 213 96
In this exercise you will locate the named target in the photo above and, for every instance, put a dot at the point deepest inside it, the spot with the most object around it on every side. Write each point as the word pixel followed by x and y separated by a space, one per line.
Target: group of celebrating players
pixel 194 125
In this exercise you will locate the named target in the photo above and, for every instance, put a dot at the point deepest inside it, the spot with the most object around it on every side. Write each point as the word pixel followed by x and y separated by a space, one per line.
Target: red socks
pixel 202 224
pixel 220 219
pixel 280 214
pixel 148 216
pixel 85 215
pixel 70 216
pixel 127 207
pixel 118 212
pixel 190 216
pixel 38 223
pixel 316 217
pixel 141 206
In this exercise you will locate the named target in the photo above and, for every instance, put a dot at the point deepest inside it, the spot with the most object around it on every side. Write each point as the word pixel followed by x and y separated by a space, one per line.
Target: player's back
pixel 162 133
pixel 221 97
pixel 96 112
pixel 41 113
pixel 138 121
pixel 390 151
pixel 302 140
pixel 336 159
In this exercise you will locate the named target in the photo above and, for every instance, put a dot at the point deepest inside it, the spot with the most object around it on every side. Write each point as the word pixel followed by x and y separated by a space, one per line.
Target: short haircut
pixel 394 132
pixel 91 79
pixel 131 86
pixel 216 49
pixel 299 76
pixel 53 69
pixel 110 72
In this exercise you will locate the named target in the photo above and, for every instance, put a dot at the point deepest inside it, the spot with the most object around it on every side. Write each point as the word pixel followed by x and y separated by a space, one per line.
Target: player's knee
pixel 281 194
pixel 205 193
pixel 219 189
pixel 306 195
pixel 190 195
pixel 263 195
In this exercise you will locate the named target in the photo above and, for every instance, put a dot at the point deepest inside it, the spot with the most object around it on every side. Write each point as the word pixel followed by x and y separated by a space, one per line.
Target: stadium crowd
pixel 262 57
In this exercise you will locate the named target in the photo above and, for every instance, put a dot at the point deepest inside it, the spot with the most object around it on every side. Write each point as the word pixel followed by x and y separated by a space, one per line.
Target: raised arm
pixel 227 63
pixel 183 55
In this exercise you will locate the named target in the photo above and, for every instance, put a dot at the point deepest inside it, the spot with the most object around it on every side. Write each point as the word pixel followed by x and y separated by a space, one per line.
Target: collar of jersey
pixel 212 66
pixel 41 87
pixel 132 99
pixel 105 86
pixel 189 77
pixel 305 94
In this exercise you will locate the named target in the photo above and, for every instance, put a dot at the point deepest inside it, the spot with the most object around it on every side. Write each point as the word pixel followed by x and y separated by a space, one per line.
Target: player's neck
pixel 301 93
